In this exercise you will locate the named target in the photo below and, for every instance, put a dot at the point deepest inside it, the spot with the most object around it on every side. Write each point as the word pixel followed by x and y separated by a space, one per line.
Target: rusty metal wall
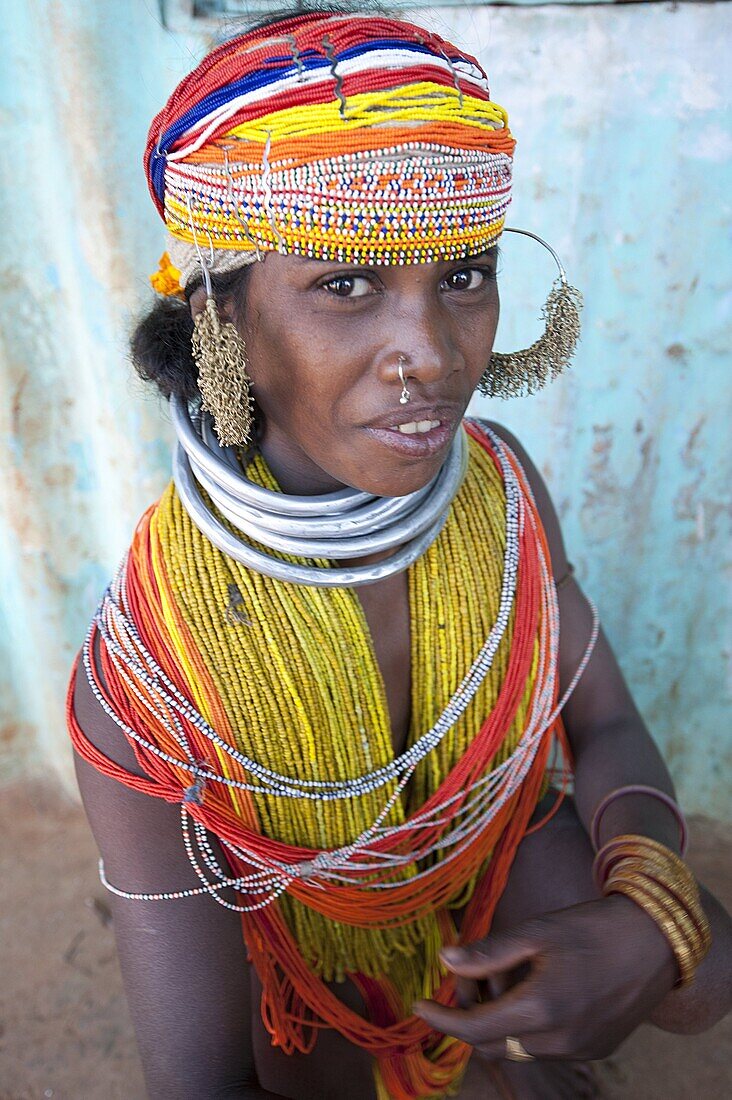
pixel 623 118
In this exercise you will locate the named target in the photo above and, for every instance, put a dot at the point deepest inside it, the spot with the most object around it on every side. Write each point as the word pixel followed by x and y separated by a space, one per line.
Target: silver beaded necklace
pixel 268 878
pixel 125 647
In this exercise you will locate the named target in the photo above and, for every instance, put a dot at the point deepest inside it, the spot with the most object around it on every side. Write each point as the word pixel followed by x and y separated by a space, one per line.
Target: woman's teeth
pixel 418 426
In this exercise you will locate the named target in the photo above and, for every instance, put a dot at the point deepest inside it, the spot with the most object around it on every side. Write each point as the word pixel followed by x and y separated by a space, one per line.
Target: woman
pixel 332 659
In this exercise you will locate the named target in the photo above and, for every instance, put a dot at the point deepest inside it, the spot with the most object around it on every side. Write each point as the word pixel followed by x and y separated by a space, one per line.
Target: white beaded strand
pixel 475 808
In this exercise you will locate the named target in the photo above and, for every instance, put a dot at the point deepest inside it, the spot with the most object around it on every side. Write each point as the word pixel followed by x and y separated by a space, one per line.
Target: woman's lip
pixel 418 444
pixel 447 414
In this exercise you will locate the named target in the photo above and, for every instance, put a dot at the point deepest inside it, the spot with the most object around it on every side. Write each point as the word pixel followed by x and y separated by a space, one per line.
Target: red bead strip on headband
pixel 414 96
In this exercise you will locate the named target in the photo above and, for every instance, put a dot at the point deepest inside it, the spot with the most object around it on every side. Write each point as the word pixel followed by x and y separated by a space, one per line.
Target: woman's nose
pixel 419 347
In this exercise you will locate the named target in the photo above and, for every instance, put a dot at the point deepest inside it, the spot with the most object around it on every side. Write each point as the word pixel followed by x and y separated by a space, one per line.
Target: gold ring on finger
pixel 516 1051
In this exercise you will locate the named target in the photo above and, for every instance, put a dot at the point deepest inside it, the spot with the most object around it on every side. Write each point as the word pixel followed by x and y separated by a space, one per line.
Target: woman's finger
pixel 517 1012
pixel 467 992
pixel 503 951
pixel 541 1045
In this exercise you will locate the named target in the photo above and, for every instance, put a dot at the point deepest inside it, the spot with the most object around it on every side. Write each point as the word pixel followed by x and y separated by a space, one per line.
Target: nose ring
pixel 405 392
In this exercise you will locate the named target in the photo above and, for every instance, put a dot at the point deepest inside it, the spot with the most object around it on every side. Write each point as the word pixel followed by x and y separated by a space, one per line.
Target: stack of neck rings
pixel 257 705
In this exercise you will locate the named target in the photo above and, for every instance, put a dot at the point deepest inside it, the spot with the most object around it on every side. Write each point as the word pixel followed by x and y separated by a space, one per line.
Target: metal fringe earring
pixel 524 372
pixel 220 355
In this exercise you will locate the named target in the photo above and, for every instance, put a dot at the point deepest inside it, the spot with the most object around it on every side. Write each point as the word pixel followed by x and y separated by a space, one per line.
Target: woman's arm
pixel 611 746
pixel 584 982
pixel 596 969
pixel 184 963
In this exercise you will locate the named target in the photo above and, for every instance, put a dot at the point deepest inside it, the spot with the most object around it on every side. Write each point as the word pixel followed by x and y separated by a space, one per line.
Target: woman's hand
pixel 595 972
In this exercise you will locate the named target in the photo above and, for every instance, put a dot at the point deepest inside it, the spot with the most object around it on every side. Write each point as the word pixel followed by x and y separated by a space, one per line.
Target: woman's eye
pixel 468 278
pixel 349 286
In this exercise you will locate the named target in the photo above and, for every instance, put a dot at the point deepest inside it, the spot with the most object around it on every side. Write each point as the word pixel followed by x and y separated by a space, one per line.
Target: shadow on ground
pixel 64 1028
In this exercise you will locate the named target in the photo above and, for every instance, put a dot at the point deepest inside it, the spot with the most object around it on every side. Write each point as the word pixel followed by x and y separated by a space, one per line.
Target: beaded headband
pixel 342 138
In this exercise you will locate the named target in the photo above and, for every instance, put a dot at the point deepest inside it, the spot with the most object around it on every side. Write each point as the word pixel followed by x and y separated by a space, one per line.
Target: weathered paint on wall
pixel 625 143
pixel 623 120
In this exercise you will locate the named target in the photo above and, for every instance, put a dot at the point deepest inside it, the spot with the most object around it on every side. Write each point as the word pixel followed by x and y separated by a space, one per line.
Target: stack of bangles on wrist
pixel 658 880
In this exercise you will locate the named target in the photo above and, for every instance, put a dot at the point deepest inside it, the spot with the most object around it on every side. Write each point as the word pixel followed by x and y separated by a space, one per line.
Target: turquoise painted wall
pixel 624 162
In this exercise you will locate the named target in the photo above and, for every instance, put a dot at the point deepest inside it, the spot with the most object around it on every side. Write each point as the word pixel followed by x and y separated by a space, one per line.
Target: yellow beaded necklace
pixel 302 691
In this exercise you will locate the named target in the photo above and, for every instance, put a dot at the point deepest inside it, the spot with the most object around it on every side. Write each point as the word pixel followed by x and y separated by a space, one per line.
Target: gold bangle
pixel 660 882
pixel 639 847
pixel 652 845
pixel 682 889
pixel 667 867
pixel 676 912
pixel 678 944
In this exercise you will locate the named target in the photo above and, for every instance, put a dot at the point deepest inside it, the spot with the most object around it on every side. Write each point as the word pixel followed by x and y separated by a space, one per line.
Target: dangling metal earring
pixel 405 392
pixel 220 356
pixel 525 372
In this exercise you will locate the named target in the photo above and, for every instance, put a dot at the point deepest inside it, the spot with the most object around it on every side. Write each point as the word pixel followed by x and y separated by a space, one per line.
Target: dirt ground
pixel 64 1028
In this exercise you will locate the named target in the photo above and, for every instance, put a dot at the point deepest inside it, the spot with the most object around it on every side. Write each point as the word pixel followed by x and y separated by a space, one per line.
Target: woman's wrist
pixel 650 943
pixel 659 882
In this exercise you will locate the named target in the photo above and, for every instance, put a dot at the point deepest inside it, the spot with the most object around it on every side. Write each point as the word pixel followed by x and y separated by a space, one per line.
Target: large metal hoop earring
pixel 524 372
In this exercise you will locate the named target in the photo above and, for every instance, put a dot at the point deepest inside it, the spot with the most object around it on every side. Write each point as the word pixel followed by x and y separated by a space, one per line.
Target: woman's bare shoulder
pixel 96 724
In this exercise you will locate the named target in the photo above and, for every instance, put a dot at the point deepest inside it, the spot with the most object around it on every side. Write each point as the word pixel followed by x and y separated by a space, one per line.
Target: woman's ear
pixel 197 301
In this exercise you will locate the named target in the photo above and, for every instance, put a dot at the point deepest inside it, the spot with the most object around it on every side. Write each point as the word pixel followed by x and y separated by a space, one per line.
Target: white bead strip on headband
pixel 372 59
pixel 219 261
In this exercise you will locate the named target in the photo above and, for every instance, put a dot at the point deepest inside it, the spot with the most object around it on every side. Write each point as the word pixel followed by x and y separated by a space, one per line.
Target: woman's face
pixel 324 341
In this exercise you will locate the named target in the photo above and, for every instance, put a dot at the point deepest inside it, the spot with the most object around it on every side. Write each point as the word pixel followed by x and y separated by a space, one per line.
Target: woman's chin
pixel 399 483
pixel 400 463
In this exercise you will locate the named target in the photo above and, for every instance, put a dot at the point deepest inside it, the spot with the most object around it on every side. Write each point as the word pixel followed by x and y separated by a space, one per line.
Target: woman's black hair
pixel 160 346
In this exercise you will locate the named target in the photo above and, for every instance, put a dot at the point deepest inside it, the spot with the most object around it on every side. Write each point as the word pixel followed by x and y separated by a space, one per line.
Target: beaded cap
pixel 343 138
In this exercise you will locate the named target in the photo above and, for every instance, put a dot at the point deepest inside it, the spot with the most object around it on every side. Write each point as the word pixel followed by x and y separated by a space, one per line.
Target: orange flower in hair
pixel 166 280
